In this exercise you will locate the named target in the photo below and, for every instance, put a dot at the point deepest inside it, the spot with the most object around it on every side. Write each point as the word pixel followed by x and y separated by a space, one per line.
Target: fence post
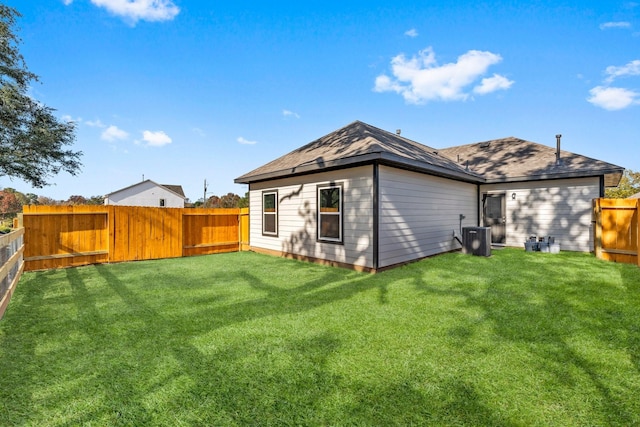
pixel 597 232
pixel 638 232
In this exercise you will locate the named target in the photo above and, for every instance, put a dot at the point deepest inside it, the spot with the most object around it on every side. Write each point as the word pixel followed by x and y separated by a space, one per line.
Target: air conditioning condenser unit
pixel 476 241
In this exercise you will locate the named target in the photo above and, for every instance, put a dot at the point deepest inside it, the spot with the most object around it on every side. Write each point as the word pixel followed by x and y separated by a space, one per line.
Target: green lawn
pixel 518 339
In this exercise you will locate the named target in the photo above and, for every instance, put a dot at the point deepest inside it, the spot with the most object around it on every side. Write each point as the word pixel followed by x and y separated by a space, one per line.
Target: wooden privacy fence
pixel 11 265
pixel 617 230
pixel 64 236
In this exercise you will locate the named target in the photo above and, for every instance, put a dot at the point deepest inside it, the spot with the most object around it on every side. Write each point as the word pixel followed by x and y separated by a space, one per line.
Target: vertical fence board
pixel 244 229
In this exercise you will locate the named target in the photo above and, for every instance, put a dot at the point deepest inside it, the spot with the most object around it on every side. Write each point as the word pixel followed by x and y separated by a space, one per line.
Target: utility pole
pixel 204 199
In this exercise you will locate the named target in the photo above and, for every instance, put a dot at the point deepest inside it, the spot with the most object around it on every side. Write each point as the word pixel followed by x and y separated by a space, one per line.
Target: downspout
pixel 480 211
pixel 376 214
pixel 601 185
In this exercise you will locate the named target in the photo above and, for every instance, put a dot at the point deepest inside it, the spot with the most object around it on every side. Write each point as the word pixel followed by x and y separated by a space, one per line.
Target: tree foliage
pixel 229 200
pixel 33 142
pixel 9 203
pixel 629 185
pixel 244 201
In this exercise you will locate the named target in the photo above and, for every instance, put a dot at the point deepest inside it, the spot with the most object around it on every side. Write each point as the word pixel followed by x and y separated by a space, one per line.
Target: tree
pixel 629 185
pixel 77 200
pixel 244 201
pixel 212 202
pixel 95 200
pixel 47 201
pixel 9 203
pixel 229 200
pixel 33 142
pixel 31 199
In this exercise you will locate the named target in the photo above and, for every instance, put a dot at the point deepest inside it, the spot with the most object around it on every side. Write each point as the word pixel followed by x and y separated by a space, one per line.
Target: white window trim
pixel 275 214
pixel 339 213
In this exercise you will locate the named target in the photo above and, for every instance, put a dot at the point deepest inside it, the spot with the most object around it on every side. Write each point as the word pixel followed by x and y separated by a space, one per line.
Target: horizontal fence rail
pixel 617 230
pixel 11 265
pixel 65 236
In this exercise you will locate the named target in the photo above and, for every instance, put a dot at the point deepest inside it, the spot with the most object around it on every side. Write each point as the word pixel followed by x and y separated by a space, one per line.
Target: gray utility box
pixel 476 241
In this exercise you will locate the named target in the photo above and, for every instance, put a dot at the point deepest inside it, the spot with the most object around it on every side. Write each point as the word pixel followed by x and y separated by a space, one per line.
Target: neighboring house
pixel 147 193
pixel 370 199
pixel 635 196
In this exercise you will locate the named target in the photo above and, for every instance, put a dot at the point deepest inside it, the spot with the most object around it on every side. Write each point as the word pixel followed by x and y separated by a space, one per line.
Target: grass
pixel 246 339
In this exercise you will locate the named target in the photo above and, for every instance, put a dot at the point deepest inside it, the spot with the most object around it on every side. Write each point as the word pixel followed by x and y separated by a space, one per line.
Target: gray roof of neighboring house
pixel 635 196
pixel 500 160
pixel 513 159
pixel 175 188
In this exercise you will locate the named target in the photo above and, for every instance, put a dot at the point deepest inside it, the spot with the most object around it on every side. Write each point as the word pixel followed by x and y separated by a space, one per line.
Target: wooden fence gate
pixel 64 236
pixel 617 230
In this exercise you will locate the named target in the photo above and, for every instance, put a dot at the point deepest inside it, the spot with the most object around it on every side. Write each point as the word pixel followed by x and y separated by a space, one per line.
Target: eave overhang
pixel 383 158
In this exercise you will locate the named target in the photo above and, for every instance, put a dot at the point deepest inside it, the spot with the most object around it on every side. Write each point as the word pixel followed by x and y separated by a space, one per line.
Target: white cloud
pixel 199 132
pixel 492 84
pixel 631 69
pixel 156 139
pixel 146 10
pixel 113 133
pixel 613 98
pixel 621 24
pixel 69 118
pixel 616 98
pixel 67 2
pixel 95 123
pixel 411 33
pixel 420 79
pixel 288 113
pixel 241 140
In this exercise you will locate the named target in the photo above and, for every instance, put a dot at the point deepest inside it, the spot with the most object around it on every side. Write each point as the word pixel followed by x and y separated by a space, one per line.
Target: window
pixel 162 203
pixel 270 213
pixel 330 213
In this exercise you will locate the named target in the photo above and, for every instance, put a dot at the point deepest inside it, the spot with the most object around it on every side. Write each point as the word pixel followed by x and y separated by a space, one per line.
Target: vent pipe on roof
pixel 558 160
pixel 398 131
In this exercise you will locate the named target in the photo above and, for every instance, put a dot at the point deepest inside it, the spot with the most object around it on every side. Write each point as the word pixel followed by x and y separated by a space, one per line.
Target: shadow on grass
pixel 175 366
pixel 574 309
pixel 228 385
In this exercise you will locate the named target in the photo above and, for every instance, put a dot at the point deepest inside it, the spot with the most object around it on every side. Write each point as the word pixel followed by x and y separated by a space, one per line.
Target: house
pixel 148 193
pixel 370 199
pixel 635 196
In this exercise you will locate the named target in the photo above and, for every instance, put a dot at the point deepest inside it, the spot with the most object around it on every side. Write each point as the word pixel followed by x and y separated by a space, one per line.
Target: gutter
pixel 379 157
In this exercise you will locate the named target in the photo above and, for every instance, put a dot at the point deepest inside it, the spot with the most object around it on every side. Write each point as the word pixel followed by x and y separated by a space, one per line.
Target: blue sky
pixel 181 90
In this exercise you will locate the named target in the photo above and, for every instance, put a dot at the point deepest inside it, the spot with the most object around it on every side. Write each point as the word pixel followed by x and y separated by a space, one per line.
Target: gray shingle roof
pixel 175 188
pixel 513 159
pixel 508 159
pixel 358 143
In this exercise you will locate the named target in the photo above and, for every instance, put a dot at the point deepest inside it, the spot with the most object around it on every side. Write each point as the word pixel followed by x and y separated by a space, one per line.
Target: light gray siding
pixel 419 213
pixel 297 216
pixel 560 208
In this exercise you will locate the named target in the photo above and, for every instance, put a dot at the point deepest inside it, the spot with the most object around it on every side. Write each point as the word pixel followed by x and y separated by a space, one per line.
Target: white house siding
pixel 419 213
pixel 297 213
pixel 145 194
pixel 559 208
